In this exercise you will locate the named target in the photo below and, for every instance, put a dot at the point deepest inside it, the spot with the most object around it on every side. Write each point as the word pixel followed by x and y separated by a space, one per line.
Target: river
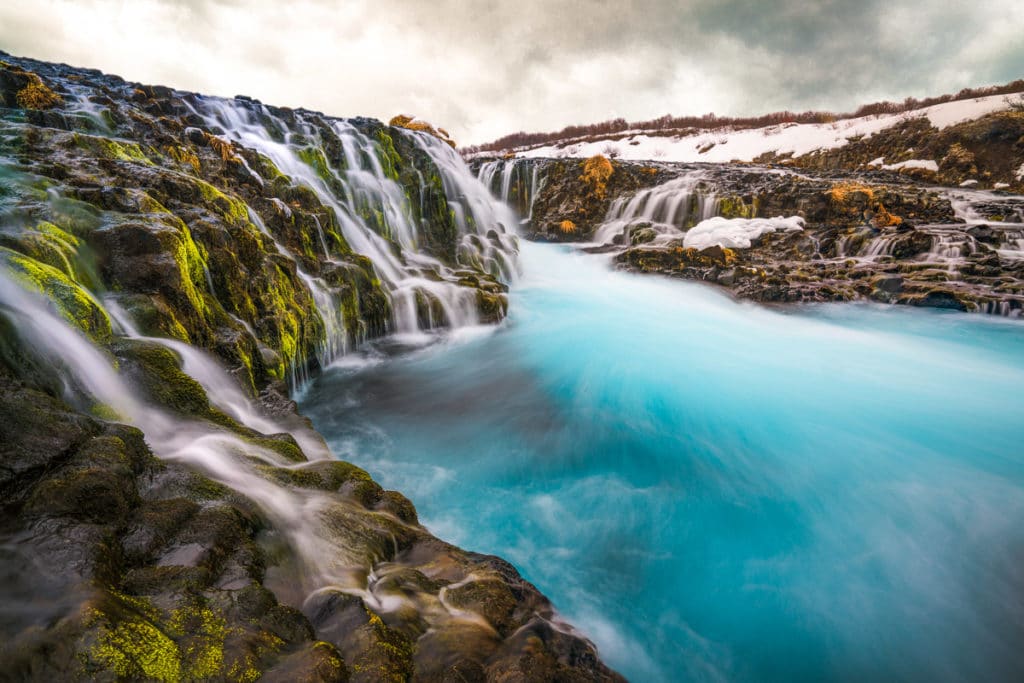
pixel 713 490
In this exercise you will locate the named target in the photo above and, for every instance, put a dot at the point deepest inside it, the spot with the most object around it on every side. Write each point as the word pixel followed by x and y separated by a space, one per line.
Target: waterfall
pixel 669 208
pixel 516 182
pixel 304 517
pixel 347 171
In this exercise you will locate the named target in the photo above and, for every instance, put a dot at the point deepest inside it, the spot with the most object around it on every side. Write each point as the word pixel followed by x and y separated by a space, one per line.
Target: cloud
pixel 486 69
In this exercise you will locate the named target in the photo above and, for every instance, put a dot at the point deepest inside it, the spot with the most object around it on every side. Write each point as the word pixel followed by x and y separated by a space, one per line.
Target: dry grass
pixel 221 146
pixel 843 192
pixel 596 172
pixel 412 123
pixel 183 155
pixel 883 219
pixel 567 227
pixel 36 95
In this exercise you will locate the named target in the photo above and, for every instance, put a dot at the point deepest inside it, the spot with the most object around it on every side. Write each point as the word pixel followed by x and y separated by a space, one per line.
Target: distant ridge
pixel 669 125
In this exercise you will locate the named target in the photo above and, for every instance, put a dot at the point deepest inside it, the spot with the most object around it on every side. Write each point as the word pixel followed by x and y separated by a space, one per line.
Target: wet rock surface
pixel 867 235
pixel 139 224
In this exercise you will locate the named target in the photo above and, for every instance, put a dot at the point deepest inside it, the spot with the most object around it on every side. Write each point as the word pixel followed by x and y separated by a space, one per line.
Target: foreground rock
pixel 142 233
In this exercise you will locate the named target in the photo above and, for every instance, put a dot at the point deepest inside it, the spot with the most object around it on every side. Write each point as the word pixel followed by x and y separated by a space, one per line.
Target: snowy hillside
pixel 724 145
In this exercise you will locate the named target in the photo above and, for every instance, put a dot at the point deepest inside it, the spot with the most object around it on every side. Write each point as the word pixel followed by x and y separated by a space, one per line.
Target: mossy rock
pixel 75 303
pixel 332 475
pixel 96 485
pixel 157 371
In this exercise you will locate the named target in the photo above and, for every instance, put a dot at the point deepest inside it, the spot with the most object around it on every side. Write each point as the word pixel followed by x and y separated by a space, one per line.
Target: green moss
pixel 202 644
pixel 156 369
pixel 246 667
pixel 390 159
pixel 283 446
pixel 330 475
pixel 74 302
pixel 733 206
pixel 389 656
pixel 55 247
pixel 314 158
pixel 191 266
pixel 231 209
pixel 118 150
pixel 130 644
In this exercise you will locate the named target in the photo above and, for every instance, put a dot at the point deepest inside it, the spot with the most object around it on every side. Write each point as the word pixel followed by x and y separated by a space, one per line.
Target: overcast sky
pixel 483 69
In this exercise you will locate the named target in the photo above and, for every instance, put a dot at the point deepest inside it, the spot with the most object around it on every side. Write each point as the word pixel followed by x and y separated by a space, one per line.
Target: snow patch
pixel 736 233
pixel 927 164
pixel 1020 172
pixel 949 113
pixel 877 162
pixel 1000 186
pixel 969 183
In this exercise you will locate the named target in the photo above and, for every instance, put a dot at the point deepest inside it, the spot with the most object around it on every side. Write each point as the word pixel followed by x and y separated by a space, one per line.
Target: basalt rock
pixel 867 234
pixel 569 208
pixel 120 565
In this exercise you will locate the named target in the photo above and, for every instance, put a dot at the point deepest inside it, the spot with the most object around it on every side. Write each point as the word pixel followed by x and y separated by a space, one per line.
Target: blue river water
pixel 717 491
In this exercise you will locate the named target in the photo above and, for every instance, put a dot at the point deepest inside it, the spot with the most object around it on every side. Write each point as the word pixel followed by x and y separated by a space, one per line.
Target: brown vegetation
pixel 36 95
pixel 221 146
pixel 841 193
pixel 880 218
pixel 412 123
pixel 596 172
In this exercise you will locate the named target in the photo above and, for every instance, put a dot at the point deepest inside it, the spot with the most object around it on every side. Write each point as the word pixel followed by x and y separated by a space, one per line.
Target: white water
pixel 516 182
pixel 669 208
pixel 312 523
pixel 357 185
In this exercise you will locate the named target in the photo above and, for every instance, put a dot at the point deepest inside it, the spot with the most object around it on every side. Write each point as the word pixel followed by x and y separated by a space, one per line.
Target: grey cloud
pixel 483 69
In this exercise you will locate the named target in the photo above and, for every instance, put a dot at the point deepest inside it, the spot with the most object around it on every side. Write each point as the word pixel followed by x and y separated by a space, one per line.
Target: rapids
pixel 712 490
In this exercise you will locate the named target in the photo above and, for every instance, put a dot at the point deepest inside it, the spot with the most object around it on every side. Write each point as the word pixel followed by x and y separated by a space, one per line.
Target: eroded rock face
pixel 985 151
pixel 125 209
pixel 868 235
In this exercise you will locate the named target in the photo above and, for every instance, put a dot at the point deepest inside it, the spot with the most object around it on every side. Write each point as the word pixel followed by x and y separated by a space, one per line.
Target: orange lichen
pixel 183 155
pixel 880 218
pixel 845 191
pixel 221 146
pixel 412 123
pixel 649 170
pixel 596 172
pixel 567 226
pixel 36 95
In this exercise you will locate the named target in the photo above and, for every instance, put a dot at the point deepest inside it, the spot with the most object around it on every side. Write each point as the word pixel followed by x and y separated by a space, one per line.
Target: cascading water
pixel 372 210
pixel 516 182
pixel 669 209
pixel 307 519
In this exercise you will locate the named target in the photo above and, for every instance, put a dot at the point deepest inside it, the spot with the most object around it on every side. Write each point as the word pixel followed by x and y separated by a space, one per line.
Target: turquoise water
pixel 717 491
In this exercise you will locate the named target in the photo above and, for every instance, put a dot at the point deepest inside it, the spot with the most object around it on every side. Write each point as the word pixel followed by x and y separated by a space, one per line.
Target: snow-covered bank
pixel 724 145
